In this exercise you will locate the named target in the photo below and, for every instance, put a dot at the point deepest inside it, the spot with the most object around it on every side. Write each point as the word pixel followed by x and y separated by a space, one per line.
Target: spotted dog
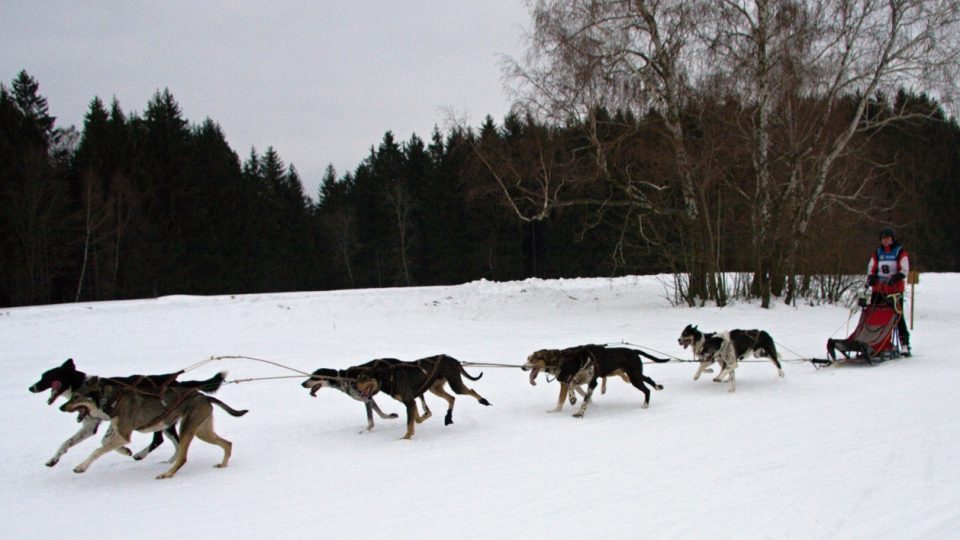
pixel 727 349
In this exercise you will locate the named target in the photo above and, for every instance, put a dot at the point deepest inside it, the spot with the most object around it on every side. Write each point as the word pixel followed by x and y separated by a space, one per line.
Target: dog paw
pixel 52 462
pixel 658 387
pixel 483 401
pixel 79 469
pixel 578 415
pixel 393 415
pixel 645 405
pixel 164 476
pixel 125 451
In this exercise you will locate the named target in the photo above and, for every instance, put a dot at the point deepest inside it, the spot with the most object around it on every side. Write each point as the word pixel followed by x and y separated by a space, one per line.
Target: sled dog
pixel 149 410
pixel 727 349
pixel 65 379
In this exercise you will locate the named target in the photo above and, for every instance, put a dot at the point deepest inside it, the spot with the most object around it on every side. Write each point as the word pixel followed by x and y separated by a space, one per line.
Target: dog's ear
pixel 68 364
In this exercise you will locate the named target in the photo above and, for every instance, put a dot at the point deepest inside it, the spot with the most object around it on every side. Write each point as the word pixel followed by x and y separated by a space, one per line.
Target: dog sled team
pixel 183 410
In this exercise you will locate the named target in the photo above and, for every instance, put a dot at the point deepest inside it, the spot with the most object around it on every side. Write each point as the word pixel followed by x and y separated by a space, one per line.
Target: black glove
pixel 897 277
pixel 872 280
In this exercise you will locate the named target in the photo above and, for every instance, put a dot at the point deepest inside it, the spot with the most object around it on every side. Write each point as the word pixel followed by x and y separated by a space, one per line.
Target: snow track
pixel 842 452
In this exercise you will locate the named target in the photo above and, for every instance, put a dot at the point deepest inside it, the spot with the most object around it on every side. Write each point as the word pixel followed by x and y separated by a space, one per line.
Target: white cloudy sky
pixel 321 81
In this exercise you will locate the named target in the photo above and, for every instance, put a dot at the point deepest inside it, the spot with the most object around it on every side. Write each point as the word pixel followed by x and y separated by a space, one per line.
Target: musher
pixel 886 275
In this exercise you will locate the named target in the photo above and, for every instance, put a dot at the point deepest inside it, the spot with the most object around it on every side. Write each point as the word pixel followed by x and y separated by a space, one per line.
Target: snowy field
pixel 842 452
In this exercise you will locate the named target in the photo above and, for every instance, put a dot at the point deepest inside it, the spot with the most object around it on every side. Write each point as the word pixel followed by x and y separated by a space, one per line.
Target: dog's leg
pixel 116 441
pixel 87 429
pixel 368 405
pixel 646 391
pixel 411 418
pixel 724 371
pixel 776 362
pixel 437 390
pixel 154 444
pixel 586 398
pixel 123 450
pixel 733 381
pixel 206 434
pixel 603 386
pixel 427 413
pixel 720 375
pixel 703 368
pixel 564 388
pixel 171 433
pixel 189 426
pixel 652 383
pixel 380 412
pixel 456 383
pixel 577 389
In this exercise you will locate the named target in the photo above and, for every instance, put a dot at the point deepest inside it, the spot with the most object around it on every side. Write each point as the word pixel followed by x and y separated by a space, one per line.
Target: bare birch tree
pixel 591 55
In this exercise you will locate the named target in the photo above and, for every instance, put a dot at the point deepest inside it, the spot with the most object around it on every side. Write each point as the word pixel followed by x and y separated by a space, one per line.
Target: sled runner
pixel 875 338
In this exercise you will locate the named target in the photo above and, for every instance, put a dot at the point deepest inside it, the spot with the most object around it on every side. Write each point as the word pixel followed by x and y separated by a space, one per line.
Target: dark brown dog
pixel 345 380
pixel 407 381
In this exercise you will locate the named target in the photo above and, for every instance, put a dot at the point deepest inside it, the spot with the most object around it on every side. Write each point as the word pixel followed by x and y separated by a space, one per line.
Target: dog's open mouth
pixel 316 388
pixel 56 390
pixel 82 410
pixel 534 371
pixel 368 389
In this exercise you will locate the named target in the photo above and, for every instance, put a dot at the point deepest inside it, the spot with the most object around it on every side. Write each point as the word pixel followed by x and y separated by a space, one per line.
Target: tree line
pixel 141 205
pixel 772 121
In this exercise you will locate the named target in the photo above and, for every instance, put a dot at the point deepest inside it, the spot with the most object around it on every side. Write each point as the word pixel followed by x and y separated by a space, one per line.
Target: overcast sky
pixel 321 81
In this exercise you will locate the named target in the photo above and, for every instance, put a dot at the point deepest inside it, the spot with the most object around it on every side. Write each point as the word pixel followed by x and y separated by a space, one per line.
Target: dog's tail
pixel 651 357
pixel 210 385
pixel 467 375
pixel 224 406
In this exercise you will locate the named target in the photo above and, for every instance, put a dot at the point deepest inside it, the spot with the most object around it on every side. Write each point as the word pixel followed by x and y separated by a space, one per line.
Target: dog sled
pixel 874 340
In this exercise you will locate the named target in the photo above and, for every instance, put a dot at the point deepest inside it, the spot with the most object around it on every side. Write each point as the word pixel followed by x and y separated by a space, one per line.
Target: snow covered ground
pixel 841 452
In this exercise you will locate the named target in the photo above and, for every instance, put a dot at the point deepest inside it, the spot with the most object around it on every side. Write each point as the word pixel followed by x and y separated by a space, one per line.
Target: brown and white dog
pixel 130 409
pixel 727 349
pixel 65 379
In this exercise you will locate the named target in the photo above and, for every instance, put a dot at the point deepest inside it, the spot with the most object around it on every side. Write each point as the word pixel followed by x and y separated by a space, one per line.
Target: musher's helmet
pixel 887 231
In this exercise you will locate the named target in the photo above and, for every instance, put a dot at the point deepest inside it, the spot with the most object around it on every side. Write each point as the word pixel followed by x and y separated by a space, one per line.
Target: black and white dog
pixel 65 379
pixel 727 349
